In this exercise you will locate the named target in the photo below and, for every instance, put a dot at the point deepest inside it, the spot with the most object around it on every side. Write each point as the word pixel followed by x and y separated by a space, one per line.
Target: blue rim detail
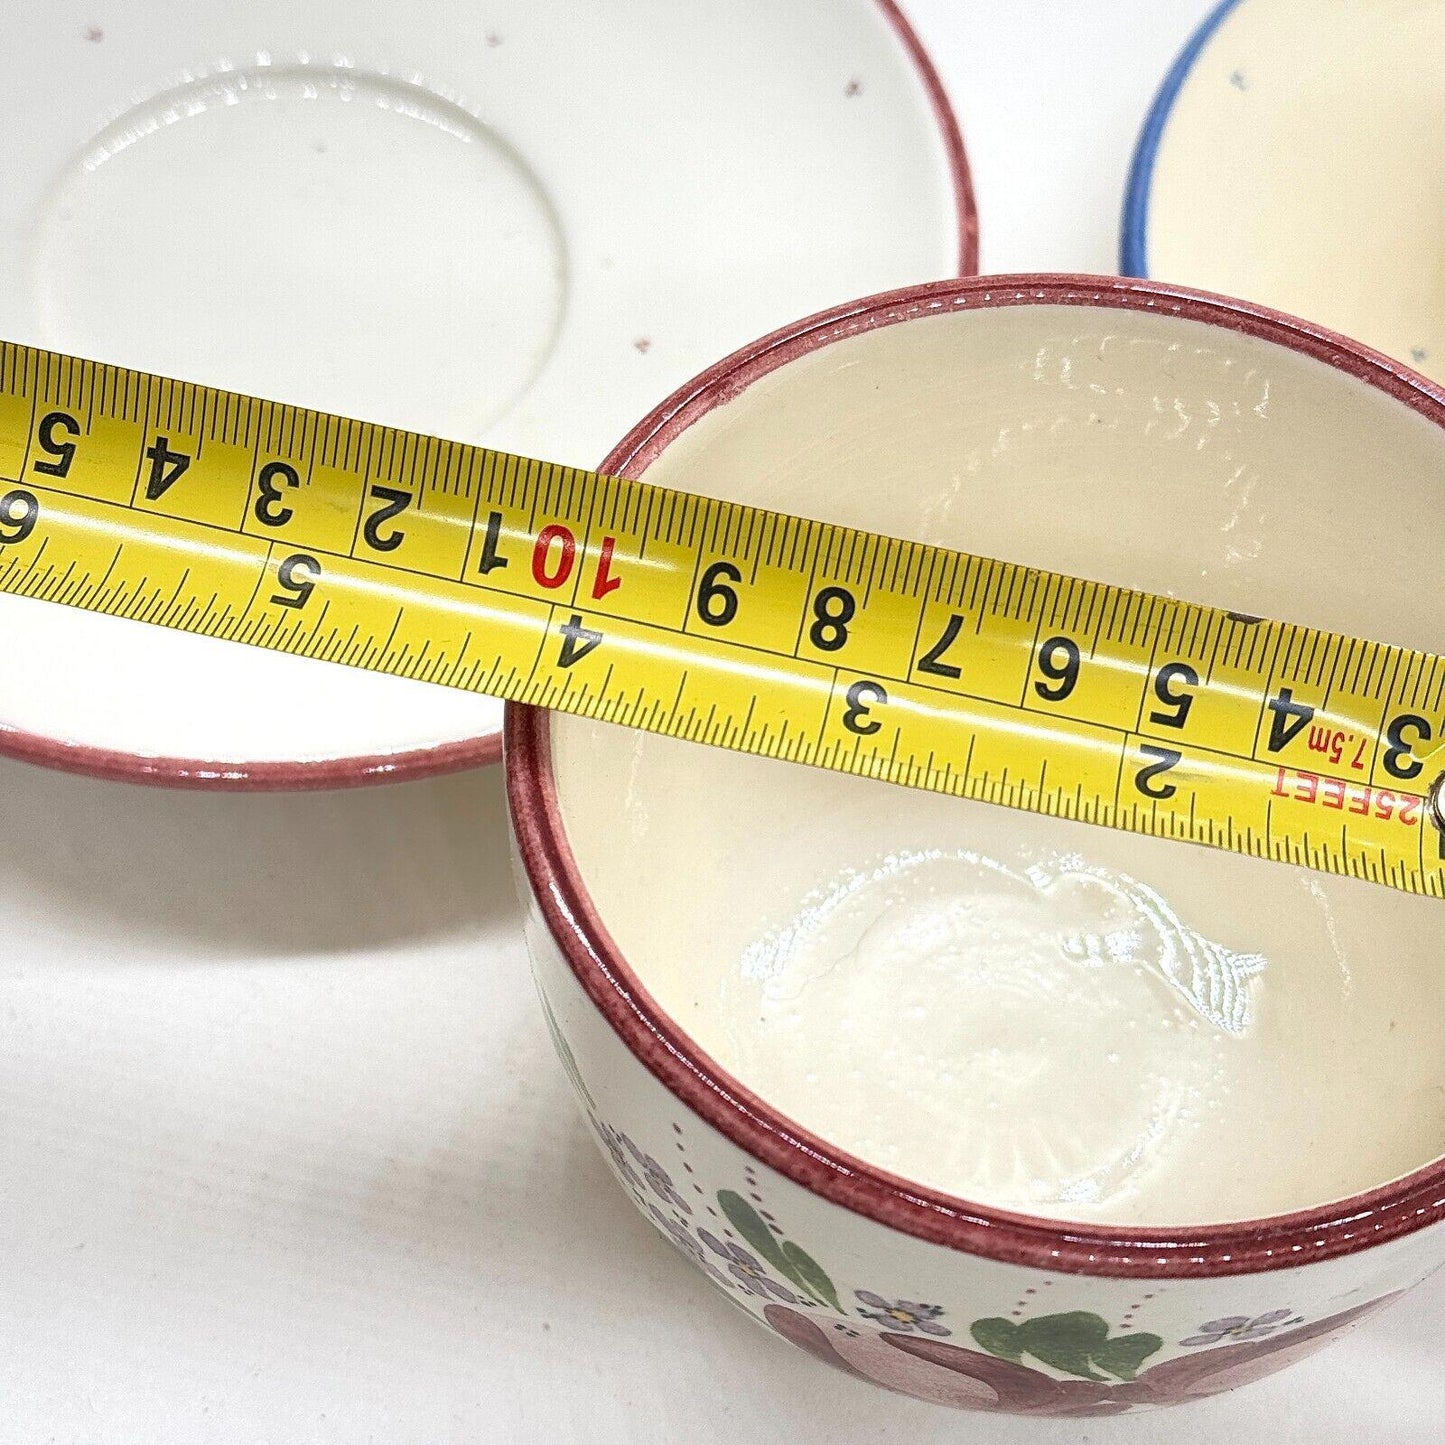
pixel 1133 244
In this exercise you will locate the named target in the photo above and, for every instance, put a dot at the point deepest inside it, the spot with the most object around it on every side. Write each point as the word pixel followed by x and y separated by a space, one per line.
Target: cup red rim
pixel 302 774
pixel 1329 1231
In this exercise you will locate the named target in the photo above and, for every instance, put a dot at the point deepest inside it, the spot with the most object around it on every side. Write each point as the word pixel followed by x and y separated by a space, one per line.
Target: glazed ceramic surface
pixel 1284 161
pixel 778 991
pixel 521 224
pixel 951 1327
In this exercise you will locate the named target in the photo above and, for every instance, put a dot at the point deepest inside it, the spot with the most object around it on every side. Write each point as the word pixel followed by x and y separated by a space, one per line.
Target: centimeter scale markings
pixel 354 543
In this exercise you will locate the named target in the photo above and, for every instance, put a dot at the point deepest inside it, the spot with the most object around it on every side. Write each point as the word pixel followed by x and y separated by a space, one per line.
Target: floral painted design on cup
pixel 902 1314
pixel 947 1373
pixel 751 1277
pixel 1030 1273
pixel 1241 1327
pixel 658 1179
pixel 1067 1363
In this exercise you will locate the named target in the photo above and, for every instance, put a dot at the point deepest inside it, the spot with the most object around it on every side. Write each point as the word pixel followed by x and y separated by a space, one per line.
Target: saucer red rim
pixel 1343 1227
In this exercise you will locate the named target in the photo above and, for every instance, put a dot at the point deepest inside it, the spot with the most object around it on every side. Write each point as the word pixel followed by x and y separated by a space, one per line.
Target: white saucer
pixel 523 223
pixel 1287 160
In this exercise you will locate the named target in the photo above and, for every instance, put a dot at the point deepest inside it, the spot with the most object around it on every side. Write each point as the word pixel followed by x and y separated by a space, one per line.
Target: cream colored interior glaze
pixel 1296 169
pixel 1032 1013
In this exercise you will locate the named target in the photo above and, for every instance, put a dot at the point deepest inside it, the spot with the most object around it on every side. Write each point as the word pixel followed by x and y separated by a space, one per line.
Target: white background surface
pixel 284 1154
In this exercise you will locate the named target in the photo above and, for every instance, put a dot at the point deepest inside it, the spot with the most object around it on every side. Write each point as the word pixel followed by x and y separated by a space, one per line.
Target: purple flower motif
pixel 679 1234
pixel 747 1271
pixel 1241 1327
pixel 614 1142
pixel 658 1179
pixel 903 1315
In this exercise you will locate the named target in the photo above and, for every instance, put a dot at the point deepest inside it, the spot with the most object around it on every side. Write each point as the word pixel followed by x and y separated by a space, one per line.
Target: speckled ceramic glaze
pixel 1283 161
pixel 934 1295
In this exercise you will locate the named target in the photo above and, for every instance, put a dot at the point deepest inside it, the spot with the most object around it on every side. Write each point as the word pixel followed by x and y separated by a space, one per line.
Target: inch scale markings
pixel 253 521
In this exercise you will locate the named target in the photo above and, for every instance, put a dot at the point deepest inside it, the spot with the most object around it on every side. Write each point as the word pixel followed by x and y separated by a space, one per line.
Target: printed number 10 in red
pixel 554 557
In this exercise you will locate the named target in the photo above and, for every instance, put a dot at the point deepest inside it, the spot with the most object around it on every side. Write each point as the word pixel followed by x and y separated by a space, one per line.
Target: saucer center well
pixel 312 233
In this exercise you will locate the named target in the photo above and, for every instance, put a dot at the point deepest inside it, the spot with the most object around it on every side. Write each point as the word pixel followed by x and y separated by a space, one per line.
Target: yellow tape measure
pixel 256 522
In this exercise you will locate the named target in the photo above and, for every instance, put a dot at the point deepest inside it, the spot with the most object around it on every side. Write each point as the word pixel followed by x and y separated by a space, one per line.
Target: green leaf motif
pixel 744 1218
pixel 999 1337
pixel 1076 1343
pixel 1123 1355
pixel 791 1261
pixel 1067 1342
pixel 811 1274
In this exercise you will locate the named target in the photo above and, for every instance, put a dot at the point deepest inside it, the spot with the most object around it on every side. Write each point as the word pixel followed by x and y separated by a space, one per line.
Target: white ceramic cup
pixel 1144 434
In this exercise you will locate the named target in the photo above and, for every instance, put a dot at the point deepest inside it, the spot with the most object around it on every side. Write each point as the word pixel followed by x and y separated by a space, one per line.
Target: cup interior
pixel 1023 1013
